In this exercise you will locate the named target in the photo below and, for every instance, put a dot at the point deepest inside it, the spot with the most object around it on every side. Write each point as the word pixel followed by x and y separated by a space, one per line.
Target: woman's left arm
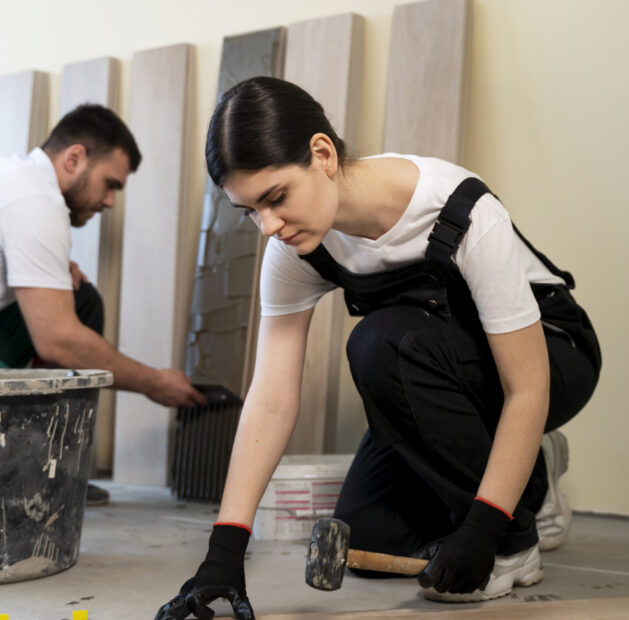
pixel 522 361
pixel 462 561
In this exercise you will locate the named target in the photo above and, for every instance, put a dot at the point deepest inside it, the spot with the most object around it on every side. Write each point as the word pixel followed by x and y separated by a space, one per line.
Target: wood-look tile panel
pixel 587 609
pixel 91 81
pixel 425 79
pixel 23 111
pixel 96 247
pixel 153 316
pixel 324 56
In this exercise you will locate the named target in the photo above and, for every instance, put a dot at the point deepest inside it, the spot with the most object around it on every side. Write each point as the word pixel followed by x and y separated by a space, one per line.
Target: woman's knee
pixel 374 343
pixel 363 347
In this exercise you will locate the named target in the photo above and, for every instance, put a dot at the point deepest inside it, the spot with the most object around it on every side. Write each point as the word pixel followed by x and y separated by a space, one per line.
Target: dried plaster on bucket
pixel 58 435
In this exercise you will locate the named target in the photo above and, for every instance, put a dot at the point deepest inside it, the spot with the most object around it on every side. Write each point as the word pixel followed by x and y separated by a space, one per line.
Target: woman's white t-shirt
pixel 496 264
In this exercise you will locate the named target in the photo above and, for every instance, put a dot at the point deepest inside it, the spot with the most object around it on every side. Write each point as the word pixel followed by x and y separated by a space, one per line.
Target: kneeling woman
pixel 471 348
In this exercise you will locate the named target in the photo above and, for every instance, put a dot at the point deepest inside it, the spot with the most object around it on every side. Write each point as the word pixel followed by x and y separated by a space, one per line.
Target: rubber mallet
pixel 329 554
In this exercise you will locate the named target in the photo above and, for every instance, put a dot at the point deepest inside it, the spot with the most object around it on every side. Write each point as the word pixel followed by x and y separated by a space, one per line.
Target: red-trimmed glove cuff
pixel 486 523
pixel 244 527
pixel 478 498
pixel 228 538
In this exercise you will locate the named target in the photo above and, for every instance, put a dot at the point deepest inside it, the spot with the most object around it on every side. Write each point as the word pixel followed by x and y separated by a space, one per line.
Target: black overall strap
pixel 454 220
pixel 565 275
pixel 323 262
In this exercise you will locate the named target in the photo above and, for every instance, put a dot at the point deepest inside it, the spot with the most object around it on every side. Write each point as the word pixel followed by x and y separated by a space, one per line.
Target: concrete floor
pixel 136 552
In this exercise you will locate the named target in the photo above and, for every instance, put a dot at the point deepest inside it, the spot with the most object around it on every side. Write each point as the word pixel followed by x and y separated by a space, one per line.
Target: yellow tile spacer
pixel 80 614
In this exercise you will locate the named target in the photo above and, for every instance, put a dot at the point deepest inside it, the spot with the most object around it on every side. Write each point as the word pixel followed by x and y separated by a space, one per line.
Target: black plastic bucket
pixel 47 421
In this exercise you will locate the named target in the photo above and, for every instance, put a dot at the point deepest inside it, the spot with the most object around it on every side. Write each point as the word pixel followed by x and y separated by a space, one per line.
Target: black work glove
pixel 462 562
pixel 222 574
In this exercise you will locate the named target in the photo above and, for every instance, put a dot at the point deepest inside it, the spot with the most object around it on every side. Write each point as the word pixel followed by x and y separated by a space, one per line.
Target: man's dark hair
pixel 261 122
pixel 98 129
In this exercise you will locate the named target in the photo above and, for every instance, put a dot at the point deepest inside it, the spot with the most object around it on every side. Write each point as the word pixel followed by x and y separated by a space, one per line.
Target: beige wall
pixel 545 126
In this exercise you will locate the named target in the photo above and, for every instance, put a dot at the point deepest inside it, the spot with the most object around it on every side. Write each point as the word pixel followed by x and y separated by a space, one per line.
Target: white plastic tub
pixel 304 488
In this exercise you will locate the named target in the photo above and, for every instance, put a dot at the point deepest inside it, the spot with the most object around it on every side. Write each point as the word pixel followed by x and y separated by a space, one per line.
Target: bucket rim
pixel 25 381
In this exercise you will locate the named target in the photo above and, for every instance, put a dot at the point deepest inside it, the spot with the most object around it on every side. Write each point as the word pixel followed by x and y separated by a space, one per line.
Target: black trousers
pixel 16 346
pixel 433 400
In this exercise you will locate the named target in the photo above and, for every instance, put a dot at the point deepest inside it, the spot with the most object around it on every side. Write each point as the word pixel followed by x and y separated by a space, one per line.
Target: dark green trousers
pixel 16 346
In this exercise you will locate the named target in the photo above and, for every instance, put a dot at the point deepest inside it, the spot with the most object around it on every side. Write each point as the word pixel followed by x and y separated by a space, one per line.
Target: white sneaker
pixel 520 569
pixel 554 518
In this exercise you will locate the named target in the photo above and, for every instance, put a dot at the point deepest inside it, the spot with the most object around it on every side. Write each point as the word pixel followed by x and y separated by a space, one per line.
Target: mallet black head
pixel 327 554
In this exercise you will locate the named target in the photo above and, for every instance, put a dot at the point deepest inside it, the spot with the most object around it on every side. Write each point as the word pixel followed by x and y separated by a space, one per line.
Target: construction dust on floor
pixel 137 551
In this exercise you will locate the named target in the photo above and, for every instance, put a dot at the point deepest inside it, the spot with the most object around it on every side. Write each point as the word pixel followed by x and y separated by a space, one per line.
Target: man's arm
pixel 61 339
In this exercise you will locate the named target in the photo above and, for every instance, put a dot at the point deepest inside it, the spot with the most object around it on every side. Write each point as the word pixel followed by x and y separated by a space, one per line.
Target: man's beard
pixel 77 201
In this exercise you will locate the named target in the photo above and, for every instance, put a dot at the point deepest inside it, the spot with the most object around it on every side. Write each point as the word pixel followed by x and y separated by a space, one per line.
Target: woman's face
pixel 295 204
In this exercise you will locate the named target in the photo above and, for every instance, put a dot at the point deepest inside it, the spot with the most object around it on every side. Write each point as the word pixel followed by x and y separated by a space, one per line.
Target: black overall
pixel 422 365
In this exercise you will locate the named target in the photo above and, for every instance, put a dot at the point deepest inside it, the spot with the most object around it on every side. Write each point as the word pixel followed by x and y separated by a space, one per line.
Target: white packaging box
pixel 303 488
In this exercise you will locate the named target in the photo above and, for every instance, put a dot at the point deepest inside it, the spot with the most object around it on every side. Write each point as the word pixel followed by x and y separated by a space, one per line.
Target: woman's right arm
pixel 268 416
pixel 266 423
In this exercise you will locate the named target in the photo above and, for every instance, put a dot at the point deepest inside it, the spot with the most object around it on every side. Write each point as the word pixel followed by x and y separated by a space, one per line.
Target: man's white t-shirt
pixel 496 264
pixel 34 226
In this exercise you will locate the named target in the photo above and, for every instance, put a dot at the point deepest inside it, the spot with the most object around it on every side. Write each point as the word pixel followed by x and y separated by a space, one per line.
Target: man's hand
pixel 221 575
pixel 172 388
pixel 77 275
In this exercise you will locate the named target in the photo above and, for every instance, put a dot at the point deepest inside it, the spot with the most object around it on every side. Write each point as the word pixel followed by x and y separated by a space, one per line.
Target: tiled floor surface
pixel 136 552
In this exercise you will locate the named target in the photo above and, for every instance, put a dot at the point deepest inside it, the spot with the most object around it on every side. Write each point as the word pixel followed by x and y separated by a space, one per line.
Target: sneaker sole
pixel 550 542
pixel 525 576
pixel 560 466
pixel 560 448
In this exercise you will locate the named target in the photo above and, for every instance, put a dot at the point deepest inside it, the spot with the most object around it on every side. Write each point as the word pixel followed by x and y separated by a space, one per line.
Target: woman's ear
pixel 324 153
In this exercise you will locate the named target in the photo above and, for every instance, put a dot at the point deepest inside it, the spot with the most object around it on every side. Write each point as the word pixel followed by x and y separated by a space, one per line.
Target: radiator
pixel 203 444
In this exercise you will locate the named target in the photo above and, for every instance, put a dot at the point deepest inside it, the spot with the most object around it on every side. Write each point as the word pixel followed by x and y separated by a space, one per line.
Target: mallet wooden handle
pixel 385 563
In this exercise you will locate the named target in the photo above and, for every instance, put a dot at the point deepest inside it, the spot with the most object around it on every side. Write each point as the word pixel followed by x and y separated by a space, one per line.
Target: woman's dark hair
pixel 263 122
pixel 98 129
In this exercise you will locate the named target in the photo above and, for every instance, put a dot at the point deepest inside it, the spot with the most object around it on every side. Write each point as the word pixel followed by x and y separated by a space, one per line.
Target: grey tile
pixel 228 243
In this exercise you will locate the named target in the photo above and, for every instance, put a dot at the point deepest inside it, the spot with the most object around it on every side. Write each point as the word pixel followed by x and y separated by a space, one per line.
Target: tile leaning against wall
pixel 96 247
pixel 423 116
pixel 425 81
pixel 153 315
pixel 23 111
pixel 423 105
pixel 91 81
pixel 225 305
pixel 424 90
pixel 333 76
